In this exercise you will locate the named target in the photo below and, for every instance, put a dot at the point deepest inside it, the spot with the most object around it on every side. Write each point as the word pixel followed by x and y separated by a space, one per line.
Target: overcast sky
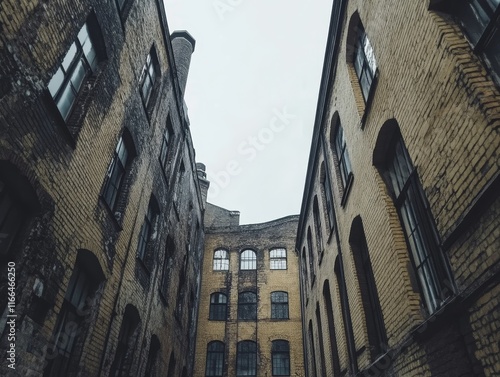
pixel 251 95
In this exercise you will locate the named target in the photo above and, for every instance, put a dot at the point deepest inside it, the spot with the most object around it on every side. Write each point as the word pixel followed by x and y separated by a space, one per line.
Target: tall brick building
pixel 250 313
pixel 399 228
pixel 101 200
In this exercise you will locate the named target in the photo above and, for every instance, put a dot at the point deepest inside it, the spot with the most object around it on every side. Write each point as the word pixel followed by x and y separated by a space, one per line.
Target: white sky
pixel 251 93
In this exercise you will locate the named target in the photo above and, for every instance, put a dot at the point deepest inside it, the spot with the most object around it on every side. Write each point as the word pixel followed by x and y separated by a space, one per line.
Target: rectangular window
pixel 279 305
pixel 247 306
pixel 343 161
pixel 215 359
pixel 364 62
pixel 218 307
pixel 165 147
pixel 78 64
pixel 246 358
pixel 149 76
pixel 431 267
pixel 280 358
pixel 278 259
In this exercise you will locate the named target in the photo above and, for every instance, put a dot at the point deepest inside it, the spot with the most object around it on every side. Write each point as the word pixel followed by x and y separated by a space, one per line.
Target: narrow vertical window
pixel 167 267
pixel 126 343
pixel 165 148
pixel 149 77
pixel 221 260
pixel 334 353
pixel 280 356
pixel 318 228
pixel 171 365
pixel 312 351
pixel 320 340
pixel 246 358
pixel 114 184
pixel 145 236
pixel 248 260
pixel 312 268
pixel 215 359
pixel 343 162
pixel 328 194
pixel 154 347
pixel 430 264
pixel 247 306
pixel 369 295
pixel 277 258
pixel 279 305
pixel 364 62
pixel 218 307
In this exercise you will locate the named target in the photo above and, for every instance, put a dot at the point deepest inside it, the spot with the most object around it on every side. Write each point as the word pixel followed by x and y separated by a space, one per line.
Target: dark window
pixel 246 358
pixel 279 305
pixel 312 269
pixel 115 177
pixel 247 306
pixel 320 341
pixel 343 161
pixel 69 322
pixel 312 351
pixel 481 22
pixel 126 343
pixel 171 365
pixel 369 295
pixel 78 64
pixel 154 347
pixel 12 216
pixel 215 359
pixel 328 194
pixel 280 351
pixel 364 62
pixel 167 267
pixel 416 219
pixel 165 147
pixel 218 307
pixel 278 259
pixel 149 76
pixel 334 353
pixel 318 228
pixel 248 260
pixel 146 234
pixel 221 260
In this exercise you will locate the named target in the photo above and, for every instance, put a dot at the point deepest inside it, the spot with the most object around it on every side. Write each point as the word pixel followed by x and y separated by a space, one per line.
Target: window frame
pixel 279 305
pixel 218 310
pixel 164 157
pixel 362 64
pixel 412 207
pixel 248 260
pixel 278 262
pixel 247 310
pixel 279 370
pixel 216 369
pixel 150 73
pixel 246 353
pixel 342 160
pixel 220 263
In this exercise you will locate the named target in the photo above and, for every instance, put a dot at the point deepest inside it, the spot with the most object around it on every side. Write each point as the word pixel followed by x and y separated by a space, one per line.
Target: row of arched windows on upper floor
pixel 248 259
pixel 246 358
pixel 247 306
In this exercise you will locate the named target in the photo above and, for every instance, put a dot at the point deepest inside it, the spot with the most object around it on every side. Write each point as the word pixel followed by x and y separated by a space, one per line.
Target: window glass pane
pixel 78 76
pixel 56 82
pixel 70 56
pixel 66 101
pixel 83 35
pixel 370 55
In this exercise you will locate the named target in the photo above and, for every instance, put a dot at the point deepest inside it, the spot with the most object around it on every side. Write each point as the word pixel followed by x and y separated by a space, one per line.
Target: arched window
pixel 369 295
pixel 279 305
pixel 312 268
pixel 401 177
pixel 343 163
pixel 247 306
pixel 328 194
pixel 218 307
pixel 215 359
pixel 171 365
pixel 246 358
pixel 312 351
pixel 334 353
pixel 361 56
pixel 320 340
pixel 149 80
pixel 72 321
pixel 280 355
pixel 277 259
pixel 318 228
pixel 154 347
pixel 248 260
pixel 126 342
pixel 221 260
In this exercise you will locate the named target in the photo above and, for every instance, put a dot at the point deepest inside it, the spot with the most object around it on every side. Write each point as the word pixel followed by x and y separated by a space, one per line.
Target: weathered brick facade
pixel 105 221
pixel 227 276
pixel 399 228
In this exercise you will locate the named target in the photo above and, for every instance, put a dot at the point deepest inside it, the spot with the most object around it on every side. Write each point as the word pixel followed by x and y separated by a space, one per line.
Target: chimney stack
pixel 183 45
